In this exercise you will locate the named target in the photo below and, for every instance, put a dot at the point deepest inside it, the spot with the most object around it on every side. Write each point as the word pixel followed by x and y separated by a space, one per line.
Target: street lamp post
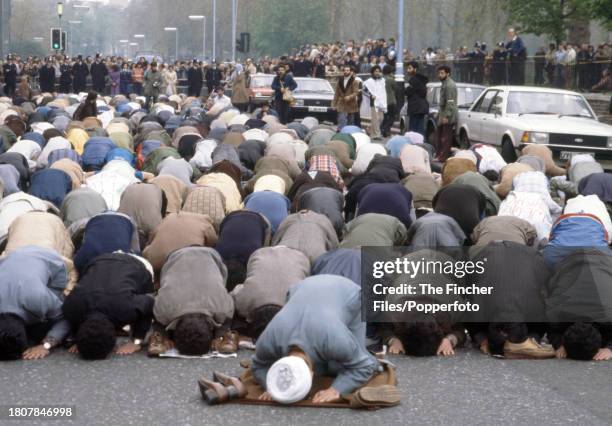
pixel 399 53
pixel 214 41
pixel 233 30
pixel 126 44
pixel 70 35
pixel 60 12
pixel 203 19
pixel 134 44
pixel 399 64
pixel 175 31
pixel 142 36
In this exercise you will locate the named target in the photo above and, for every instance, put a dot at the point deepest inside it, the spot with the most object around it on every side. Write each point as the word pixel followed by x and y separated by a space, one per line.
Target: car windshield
pixel 259 82
pixel 312 86
pixel 547 103
pixel 465 95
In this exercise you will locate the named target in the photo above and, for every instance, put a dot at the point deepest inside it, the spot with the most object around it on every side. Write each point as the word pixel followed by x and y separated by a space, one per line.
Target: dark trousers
pixel 124 88
pixel 151 99
pixel 242 107
pixel 282 108
pixel 138 88
pixel 9 89
pixel 387 122
pixel 444 140
pixel 416 123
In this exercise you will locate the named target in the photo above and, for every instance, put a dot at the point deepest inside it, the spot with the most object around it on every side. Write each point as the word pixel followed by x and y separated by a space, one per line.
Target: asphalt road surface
pixel 467 389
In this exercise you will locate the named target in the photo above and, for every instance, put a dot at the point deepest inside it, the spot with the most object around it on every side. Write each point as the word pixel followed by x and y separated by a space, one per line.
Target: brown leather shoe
pixel 529 349
pixel 157 344
pixel 228 343
pixel 376 396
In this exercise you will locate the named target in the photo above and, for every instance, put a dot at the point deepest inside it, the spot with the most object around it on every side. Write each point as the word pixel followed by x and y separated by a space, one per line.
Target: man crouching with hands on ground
pixel 314 335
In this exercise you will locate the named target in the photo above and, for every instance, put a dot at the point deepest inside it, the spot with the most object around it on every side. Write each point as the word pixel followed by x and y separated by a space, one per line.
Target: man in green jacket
pixel 447 115
pixel 152 81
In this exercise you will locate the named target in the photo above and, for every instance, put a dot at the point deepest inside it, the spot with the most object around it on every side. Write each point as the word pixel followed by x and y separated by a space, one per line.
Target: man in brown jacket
pixel 345 98
pixel 176 231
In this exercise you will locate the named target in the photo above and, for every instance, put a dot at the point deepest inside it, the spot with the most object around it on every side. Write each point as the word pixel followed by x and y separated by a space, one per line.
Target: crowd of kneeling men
pixel 199 226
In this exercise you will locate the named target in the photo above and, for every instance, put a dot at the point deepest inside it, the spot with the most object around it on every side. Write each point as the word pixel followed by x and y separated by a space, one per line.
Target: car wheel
pixel 507 150
pixel 464 140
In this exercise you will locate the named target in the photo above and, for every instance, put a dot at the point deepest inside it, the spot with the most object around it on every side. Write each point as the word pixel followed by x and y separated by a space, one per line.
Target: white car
pixel 514 116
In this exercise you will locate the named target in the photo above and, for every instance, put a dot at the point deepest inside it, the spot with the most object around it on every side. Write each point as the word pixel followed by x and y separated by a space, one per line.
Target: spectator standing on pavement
pixel 498 66
pixel 9 70
pixel 302 67
pixel 195 79
pixel 213 77
pixel 318 68
pixel 125 79
pixel 170 80
pixel 539 60
pixel 346 97
pixel 416 97
pixel 98 75
pixel 153 81
pixel 560 66
pixel 389 116
pixel 65 76
pixel 240 84
pixel 283 84
pixel 447 115
pixel 115 79
pixel 517 55
pixel 79 74
pixel 138 78
pixel 375 99
pixel 47 77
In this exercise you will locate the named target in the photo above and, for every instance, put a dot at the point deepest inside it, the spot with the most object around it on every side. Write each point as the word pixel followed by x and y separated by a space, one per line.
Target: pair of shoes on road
pixel 529 349
pixel 375 397
pixel 226 344
pixel 221 388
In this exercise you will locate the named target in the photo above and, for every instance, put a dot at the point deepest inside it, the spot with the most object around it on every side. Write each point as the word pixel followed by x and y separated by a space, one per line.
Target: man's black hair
pixel 581 341
pixel 387 69
pixel 420 338
pixel 96 337
pixel 13 337
pixel 260 318
pixel 236 273
pixel 413 64
pixel 193 335
pixel 492 176
pixel 374 68
pixel 445 68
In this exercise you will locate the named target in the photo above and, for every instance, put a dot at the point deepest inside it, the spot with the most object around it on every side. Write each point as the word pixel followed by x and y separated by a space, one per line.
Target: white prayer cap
pixel 289 380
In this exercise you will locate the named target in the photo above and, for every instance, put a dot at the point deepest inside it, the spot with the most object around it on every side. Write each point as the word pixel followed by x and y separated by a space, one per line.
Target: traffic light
pixel 64 37
pixel 56 39
pixel 239 45
pixel 245 41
